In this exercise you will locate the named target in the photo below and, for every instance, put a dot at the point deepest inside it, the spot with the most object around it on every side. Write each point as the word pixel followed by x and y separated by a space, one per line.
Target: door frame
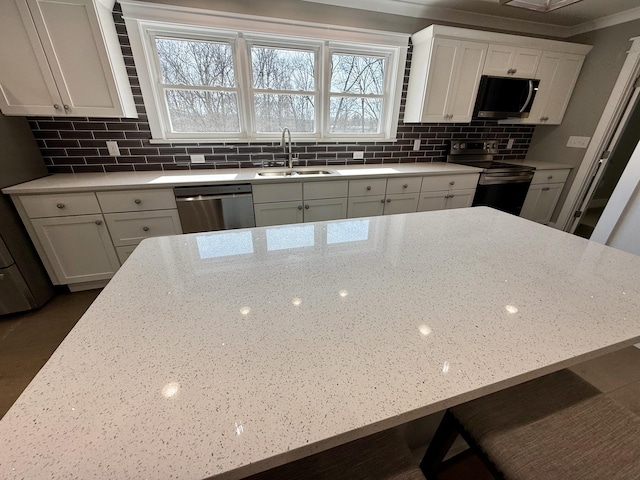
pixel 611 115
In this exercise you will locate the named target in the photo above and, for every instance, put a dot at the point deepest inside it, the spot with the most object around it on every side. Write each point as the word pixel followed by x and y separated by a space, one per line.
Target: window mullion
pixel 245 90
pixel 325 87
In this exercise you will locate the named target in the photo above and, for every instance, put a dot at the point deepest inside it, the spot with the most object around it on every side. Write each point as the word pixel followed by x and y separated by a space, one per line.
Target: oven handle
pixel 497 179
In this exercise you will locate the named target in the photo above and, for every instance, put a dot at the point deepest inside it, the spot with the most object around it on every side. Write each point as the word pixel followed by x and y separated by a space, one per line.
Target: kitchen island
pixel 224 354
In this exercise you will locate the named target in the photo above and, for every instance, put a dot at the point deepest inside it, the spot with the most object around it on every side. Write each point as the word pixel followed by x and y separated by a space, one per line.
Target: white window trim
pixel 143 18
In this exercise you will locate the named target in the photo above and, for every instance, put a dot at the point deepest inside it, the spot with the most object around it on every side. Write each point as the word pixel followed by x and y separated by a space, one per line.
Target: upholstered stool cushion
pixel 554 427
pixel 383 456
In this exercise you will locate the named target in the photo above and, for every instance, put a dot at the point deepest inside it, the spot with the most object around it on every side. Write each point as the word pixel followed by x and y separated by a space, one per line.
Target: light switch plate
pixel 112 146
pixel 578 142
pixel 358 155
pixel 416 144
pixel 197 158
pixel 510 143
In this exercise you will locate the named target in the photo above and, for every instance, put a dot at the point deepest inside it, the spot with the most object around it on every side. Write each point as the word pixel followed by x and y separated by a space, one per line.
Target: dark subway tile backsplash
pixel 78 144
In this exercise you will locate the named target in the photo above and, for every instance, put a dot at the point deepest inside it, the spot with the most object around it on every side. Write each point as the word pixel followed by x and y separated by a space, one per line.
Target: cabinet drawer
pixel 130 228
pixel 136 200
pixel 277 192
pixel 449 182
pixel 330 189
pixel 60 205
pixel 550 176
pixel 365 188
pixel 403 185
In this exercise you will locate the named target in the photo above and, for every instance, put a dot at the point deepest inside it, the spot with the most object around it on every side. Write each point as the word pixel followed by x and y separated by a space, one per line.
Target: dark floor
pixel 28 340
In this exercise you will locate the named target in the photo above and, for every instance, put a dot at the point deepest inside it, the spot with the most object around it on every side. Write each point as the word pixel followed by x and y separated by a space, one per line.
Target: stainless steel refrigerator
pixel 24 283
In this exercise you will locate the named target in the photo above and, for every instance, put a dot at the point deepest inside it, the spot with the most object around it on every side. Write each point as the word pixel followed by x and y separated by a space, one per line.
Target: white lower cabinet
pixel 281 204
pixel 130 228
pixel 401 203
pixel 443 200
pixel 365 206
pixel 544 193
pixel 78 248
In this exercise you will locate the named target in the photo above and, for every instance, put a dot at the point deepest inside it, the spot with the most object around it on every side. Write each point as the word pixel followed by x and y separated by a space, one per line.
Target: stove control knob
pixel 463 146
pixel 455 146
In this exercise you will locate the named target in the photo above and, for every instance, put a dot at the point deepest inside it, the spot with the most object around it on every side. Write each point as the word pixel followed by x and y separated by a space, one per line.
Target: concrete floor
pixel 28 340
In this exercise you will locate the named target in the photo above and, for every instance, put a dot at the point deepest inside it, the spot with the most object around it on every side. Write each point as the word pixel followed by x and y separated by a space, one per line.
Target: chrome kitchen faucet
pixel 283 143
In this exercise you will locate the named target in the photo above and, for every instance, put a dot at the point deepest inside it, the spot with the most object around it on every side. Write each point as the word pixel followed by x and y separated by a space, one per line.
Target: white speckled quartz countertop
pixel 81 182
pixel 222 354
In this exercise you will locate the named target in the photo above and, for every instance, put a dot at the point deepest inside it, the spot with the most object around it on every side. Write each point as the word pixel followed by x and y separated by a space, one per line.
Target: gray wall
pixel 599 74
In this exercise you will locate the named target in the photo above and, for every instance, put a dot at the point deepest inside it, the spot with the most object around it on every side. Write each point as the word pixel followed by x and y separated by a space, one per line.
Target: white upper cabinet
pixel 62 57
pixel 444 88
pixel 508 61
pixel 558 74
pixel 447 64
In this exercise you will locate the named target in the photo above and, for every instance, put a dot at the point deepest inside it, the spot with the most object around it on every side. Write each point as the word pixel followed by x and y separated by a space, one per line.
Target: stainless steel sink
pixel 294 173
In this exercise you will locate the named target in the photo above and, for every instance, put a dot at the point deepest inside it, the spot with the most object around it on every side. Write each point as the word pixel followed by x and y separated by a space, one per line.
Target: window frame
pixel 149 21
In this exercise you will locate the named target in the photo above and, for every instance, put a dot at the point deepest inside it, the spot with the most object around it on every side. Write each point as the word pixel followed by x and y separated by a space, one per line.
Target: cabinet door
pixel 75 42
pixel 504 60
pixel 365 206
pixel 558 74
pixel 129 228
pixel 325 209
pixel 401 203
pixel 26 84
pixel 79 248
pixel 454 73
pixel 278 213
pixel 460 198
pixel 432 201
pixel 541 201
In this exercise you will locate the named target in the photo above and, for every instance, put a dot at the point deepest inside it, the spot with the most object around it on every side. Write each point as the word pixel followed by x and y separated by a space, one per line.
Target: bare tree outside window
pixel 199 85
pixel 357 90
pixel 284 89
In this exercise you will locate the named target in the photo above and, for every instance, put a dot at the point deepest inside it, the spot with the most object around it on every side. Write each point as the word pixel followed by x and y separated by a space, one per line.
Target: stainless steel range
pixel 502 186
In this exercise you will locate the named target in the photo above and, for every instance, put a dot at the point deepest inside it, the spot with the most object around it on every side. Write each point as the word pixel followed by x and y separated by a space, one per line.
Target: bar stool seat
pixel 555 427
pixel 383 456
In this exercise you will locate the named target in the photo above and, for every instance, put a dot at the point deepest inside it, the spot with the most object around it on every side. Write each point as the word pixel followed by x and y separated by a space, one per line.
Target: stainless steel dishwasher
pixel 218 207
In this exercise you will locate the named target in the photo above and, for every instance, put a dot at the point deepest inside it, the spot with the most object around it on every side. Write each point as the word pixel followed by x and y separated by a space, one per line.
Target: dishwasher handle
pixel 204 198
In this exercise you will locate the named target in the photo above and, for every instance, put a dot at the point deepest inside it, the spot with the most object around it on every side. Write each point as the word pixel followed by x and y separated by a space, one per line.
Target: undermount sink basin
pixel 294 173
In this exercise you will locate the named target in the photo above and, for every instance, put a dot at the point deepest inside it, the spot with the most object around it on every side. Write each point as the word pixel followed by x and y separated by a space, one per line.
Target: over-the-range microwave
pixel 504 97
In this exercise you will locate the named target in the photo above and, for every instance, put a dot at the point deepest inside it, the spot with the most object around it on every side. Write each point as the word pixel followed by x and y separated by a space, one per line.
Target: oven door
pixel 503 191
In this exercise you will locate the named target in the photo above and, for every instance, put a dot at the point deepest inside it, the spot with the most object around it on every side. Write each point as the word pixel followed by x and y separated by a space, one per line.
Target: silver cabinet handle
pixel 60 205
pixel 451 196
pixel 98 222
pixel 146 229
pixel 66 107
pixel 137 201
pixel 382 201
pixel 405 186
pixel 388 200
pixel 1 276
pixel 453 182
pixel 546 188
pixel 306 206
pixel 368 187
pixel 549 177
pixel 56 106
pixel 299 207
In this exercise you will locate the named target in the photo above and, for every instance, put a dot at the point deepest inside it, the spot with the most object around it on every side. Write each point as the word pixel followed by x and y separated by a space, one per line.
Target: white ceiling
pixel 571 20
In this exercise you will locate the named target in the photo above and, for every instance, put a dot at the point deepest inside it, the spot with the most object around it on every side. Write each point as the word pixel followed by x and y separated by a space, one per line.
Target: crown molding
pixel 409 8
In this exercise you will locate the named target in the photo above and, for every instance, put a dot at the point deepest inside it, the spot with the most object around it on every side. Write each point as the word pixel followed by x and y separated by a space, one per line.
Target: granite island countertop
pixel 220 354
pixel 82 182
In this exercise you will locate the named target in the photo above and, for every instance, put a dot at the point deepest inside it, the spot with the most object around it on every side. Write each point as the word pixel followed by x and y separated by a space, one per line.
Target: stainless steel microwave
pixel 502 97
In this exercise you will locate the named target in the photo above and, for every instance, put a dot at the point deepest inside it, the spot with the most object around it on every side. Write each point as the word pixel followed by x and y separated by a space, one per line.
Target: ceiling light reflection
pixel 245 310
pixel 511 309
pixel 445 367
pixel 170 389
pixel 343 293
pixel 424 330
pixel 296 301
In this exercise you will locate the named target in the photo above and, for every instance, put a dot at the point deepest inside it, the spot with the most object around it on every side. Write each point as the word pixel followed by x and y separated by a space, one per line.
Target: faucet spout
pixel 286 138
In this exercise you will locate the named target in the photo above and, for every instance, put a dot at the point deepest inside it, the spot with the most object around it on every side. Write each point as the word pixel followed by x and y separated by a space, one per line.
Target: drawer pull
pixel 544 189
pixel 382 201
pixel 60 205
pixel 306 206
pixel 388 200
pixel 98 222
pixel 299 207
pixel 405 186
pixel 368 187
pixel 549 177
pixel 452 182
pixel 137 201
pixel 146 229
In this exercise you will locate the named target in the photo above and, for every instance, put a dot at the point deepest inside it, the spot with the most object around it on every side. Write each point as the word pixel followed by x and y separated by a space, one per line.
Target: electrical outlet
pixel 197 158
pixel 112 146
pixel 578 142
pixel 358 155
pixel 416 144
pixel 510 143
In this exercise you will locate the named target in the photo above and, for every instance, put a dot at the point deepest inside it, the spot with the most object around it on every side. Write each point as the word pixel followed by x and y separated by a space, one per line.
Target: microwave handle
pixel 526 103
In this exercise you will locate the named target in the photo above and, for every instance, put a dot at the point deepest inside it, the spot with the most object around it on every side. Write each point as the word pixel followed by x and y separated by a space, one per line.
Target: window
pixel 236 78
